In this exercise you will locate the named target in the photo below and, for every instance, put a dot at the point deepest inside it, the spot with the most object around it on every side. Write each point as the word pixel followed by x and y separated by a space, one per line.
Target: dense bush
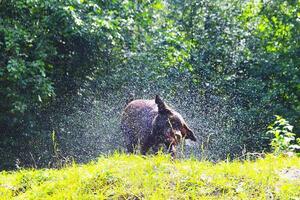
pixel 69 66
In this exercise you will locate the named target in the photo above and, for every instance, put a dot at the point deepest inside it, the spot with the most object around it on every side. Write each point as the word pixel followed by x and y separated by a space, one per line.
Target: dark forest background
pixel 67 68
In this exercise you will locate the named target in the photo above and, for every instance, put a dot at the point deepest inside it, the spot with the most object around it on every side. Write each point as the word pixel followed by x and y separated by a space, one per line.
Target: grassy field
pixel 158 177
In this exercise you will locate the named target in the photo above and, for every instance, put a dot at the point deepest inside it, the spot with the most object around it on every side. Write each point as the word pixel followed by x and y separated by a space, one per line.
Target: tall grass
pixel 123 176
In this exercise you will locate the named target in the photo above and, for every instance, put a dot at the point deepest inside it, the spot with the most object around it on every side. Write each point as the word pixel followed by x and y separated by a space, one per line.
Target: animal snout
pixel 173 137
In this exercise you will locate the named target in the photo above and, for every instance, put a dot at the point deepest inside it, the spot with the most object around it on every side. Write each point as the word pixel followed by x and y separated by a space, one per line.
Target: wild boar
pixel 149 123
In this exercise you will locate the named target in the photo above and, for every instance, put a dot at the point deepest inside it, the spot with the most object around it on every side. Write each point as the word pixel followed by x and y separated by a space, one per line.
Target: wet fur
pixel 150 123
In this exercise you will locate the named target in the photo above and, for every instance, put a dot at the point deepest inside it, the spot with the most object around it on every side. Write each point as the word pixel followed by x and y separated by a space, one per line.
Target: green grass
pixel 157 177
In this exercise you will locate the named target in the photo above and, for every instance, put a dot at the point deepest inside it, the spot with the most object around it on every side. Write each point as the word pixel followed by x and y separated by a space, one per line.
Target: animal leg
pixel 130 139
pixel 149 142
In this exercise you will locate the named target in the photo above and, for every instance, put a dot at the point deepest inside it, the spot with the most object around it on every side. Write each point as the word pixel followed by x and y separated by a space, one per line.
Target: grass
pixel 123 176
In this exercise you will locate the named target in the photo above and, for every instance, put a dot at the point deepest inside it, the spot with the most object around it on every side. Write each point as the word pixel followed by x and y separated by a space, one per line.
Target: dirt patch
pixel 290 174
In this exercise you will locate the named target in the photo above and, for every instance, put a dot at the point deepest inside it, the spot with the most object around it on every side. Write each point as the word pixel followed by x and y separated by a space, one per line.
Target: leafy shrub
pixel 284 139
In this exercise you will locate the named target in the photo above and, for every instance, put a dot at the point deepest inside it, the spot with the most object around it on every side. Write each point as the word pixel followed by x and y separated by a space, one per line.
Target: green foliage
pixel 239 59
pixel 157 177
pixel 284 139
pixel 51 50
pixel 274 26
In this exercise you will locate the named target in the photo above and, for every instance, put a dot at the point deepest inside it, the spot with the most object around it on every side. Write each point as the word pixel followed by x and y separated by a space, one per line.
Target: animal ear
pixel 189 134
pixel 162 107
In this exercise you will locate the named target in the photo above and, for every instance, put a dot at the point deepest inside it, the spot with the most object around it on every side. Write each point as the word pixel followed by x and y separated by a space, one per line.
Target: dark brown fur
pixel 149 123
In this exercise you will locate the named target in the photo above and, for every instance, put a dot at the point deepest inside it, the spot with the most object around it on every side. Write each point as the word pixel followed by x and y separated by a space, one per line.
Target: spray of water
pixel 93 126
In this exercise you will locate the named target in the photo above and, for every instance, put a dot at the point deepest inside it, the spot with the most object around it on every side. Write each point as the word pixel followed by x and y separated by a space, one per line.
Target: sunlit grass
pixel 123 176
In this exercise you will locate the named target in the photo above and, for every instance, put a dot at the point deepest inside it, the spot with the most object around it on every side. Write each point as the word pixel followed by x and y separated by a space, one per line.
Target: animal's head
pixel 170 125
